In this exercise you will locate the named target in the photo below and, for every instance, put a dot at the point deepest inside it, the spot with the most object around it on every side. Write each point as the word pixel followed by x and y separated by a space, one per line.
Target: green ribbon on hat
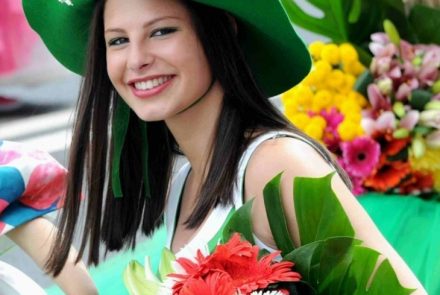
pixel 120 124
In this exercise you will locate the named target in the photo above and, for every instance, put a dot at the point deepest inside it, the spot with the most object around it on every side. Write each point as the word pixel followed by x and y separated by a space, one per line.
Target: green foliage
pixel 362 82
pixel 330 259
pixel 419 98
pixel 318 211
pixel 274 209
pixel 425 22
pixel 240 222
pixel 355 20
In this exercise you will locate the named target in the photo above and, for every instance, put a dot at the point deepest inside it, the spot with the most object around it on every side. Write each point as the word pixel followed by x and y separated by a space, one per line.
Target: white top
pixel 218 215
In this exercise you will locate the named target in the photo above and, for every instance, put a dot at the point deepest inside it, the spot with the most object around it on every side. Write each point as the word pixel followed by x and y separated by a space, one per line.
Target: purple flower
pixel 360 156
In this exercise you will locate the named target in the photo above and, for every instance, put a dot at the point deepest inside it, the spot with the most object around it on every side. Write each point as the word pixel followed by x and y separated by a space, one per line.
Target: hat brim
pixel 277 56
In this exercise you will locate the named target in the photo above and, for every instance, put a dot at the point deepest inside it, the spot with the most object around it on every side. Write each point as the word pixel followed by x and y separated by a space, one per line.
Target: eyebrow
pixel 147 24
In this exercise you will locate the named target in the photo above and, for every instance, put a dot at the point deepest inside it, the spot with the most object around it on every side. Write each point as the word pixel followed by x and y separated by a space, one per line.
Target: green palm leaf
pixel 330 259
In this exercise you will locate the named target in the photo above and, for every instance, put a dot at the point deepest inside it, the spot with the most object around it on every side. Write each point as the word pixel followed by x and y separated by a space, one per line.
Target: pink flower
pixel 405 89
pixel 360 156
pixel 377 100
pixel 357 182
pixel 410 120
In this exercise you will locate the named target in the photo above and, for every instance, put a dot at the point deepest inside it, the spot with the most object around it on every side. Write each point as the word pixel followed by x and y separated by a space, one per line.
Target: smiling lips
pixel 150 87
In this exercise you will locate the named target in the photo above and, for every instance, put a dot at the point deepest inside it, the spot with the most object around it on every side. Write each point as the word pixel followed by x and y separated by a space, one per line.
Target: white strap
pixel 173 200
pixel 238 192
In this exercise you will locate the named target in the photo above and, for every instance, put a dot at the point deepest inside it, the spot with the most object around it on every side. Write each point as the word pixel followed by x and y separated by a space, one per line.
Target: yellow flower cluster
pixel 430 161
pixel 328 85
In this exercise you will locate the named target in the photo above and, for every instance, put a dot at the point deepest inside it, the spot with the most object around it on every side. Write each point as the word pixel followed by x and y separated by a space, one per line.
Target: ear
pixel 233 23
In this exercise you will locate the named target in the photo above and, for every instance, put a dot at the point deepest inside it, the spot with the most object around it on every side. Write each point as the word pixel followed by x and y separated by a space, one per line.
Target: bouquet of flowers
pixel 330 260
pixel 385 128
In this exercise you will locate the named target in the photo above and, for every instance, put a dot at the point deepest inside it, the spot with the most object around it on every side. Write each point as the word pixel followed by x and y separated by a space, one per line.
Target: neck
pixel 194 129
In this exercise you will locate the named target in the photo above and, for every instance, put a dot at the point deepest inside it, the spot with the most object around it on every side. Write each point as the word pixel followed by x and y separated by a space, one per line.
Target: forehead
pixel 120 12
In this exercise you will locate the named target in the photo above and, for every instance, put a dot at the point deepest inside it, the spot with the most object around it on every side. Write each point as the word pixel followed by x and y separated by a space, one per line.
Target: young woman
pixel 168 77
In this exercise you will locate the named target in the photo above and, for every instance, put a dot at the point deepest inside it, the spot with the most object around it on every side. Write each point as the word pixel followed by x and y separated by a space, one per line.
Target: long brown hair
pixel 115 222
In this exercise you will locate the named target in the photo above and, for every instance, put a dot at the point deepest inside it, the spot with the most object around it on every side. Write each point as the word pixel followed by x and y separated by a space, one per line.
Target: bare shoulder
pixel 292 156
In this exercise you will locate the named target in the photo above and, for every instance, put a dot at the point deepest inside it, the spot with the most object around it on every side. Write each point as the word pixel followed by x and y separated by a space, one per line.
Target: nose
pixel 139 57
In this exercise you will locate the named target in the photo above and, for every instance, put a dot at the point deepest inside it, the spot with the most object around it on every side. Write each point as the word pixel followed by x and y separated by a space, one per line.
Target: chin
pixel 149 117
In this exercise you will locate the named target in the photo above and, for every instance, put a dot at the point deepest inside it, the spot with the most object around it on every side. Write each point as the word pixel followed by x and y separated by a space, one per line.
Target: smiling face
pixel 155 60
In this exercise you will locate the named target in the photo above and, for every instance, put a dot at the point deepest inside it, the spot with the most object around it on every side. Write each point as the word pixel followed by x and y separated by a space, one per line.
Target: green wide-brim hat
pixel 277 56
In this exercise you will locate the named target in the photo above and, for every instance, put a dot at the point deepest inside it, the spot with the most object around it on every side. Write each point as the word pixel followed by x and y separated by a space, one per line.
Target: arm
pixel 297 158
pixel 36 238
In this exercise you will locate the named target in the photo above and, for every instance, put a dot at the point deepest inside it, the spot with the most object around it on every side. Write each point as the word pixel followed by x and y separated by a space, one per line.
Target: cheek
pixel 114 69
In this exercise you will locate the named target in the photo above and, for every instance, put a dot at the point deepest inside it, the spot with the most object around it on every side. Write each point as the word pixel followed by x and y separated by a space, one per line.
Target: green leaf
pixel 316 205
pixel 240 222
pixel 315 260
pixel 303 257
pixel 355 11
pixel 166 263
pixel 361 268
pixel 362 83
pixel 135 281
pixel 275 214
pixel 386 282
pixel 425 21
pixel 419 98
pixel 331 25
pixel 335 260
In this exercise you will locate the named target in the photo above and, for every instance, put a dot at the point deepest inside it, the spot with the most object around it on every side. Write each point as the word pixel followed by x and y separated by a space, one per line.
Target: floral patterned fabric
pixel 31 184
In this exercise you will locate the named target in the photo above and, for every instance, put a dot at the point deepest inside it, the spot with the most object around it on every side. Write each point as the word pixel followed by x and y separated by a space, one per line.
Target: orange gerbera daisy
pixel 417 182
pixel 388 175
pixel 233 264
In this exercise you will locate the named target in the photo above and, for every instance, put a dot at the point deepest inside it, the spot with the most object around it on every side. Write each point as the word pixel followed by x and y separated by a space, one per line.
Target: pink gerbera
pixel 360 156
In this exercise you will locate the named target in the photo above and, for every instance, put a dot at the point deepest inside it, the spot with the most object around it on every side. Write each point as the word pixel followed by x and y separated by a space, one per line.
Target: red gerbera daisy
pixel 236 264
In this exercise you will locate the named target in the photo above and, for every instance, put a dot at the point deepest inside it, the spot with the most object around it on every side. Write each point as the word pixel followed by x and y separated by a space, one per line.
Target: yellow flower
pixel 348 84
pixel 300 120
pixel 354 68
pixel 330 54
pixel 320 71
pixel 322 100
pixel 349 130
pixel 314 131
pixel 338 99
pixel 358 98
pixel 300 94
pixel 354 117
pixel 303 95
pixel 315 49
pixel 430 161
pixel 319 121
pixel 348 53
pixel 290 108
pixel 287 96
pixel 349 106
pixel 335 79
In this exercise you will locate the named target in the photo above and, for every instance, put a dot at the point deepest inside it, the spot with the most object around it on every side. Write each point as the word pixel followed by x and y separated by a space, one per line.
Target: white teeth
pixel 150 84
